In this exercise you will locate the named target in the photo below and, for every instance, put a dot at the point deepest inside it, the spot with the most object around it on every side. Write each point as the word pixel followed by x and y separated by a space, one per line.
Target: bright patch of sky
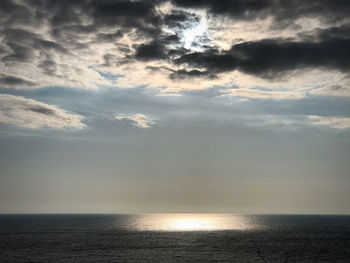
pixel 199 30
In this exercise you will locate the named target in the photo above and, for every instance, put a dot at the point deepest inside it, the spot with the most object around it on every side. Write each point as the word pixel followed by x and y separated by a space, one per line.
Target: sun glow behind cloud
pixel 197 31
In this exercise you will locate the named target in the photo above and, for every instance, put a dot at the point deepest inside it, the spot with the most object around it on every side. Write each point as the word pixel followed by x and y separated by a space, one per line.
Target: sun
pixel 197 31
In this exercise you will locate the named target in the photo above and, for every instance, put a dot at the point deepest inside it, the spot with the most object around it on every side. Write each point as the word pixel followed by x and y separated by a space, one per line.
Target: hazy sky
pixel 175 106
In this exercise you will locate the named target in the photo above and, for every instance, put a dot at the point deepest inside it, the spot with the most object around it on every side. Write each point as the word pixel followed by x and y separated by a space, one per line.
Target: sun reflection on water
pixel 191 222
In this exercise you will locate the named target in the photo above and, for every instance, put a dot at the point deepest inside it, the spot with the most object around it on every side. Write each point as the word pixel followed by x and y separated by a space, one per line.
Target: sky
pixel 196 106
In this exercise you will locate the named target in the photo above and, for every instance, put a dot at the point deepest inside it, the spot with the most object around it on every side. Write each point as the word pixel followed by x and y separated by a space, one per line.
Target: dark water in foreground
pixel 174 238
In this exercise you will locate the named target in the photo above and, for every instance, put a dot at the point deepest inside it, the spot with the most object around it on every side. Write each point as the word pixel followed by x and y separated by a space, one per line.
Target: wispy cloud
pixel 33 114
pixel 294 122
pixel 139 120
pixel 262 94
pixel 332 90
pixel 340 123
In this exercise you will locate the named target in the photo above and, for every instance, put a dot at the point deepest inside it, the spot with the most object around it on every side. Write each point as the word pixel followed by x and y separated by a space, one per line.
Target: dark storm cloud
pixel 268 58
pixel 16 13
pixel 211 60
pixel 172 38
pixel 180 19
pixel 181 74
pixel 280 10
pixel 23 43
pixel 235 8
pixel 67 17
pixel 175 19
pixel 157 49
pixel 150 51
pixel 115 9
pixel 140 15
pixel 339 32
pixel 19 53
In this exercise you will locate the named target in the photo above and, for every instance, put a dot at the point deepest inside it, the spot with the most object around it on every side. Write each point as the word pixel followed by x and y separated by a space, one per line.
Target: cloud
pixel 332 90
pixel 138 120
pixel 33 114
pixel 150 51
pixel 179 19
pixel 14 81
pixel 280 10
pixel 340 123
pixel 149 43
pixel 294 122
pixel 182 74
pixel 268 58
pixel 261 94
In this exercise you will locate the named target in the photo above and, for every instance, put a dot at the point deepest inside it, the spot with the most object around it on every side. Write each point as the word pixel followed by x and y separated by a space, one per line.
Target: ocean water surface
pixel 174 238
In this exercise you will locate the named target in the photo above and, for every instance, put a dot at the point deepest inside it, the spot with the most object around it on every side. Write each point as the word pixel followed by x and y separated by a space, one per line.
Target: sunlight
pixel 192 222
pixel 192 33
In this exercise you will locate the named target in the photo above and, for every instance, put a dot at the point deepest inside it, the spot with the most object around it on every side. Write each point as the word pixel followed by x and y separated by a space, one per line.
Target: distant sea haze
pixel 174 238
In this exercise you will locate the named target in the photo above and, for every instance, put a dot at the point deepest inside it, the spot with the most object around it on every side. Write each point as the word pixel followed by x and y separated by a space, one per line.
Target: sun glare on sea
pixel 191 222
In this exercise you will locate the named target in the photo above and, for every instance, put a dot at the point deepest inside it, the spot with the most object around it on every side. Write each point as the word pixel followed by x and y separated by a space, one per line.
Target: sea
pixel 174 238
